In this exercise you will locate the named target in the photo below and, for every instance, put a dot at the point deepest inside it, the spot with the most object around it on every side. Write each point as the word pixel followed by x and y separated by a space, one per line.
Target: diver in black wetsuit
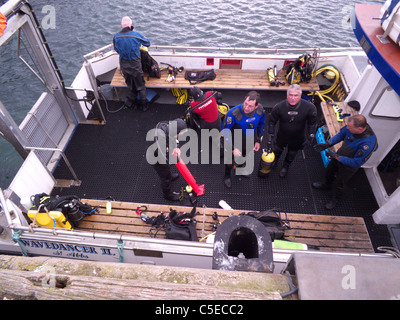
pixel 164 141
pixel 297 124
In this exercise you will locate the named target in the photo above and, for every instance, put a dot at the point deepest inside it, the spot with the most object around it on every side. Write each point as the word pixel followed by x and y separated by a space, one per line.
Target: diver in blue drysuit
pixel 127 43
pixel 359 142
pixel 247 119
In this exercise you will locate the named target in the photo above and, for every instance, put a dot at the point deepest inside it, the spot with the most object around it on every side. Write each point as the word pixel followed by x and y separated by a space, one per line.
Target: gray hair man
pixel 297 120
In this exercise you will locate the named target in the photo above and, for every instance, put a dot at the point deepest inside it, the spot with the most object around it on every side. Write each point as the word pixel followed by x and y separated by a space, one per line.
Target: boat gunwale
pixel 99 53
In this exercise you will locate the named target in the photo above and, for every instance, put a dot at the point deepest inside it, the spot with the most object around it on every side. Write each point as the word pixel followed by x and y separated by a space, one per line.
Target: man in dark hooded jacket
pixel 127 43
pixel 165 147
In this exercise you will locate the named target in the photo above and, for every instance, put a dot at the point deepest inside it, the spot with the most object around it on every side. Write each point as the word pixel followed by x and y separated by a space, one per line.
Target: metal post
pixel 11 132
pixel 77 181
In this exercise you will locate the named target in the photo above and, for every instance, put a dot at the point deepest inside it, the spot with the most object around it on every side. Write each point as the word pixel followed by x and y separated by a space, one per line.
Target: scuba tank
pixel 266 163
pixel 271 76
pixel 223 109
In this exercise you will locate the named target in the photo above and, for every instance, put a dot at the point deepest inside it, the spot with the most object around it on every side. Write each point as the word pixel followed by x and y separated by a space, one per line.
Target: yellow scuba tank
pixel 53 219
pixel 223 110
pixel 266 163
pixel 293 76
pixel 271 77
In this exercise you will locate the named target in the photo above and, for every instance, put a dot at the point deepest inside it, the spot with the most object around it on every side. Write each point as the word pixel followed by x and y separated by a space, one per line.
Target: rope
pixel 393 251
pixel 323 94
pixel 120 247
pixel 16 236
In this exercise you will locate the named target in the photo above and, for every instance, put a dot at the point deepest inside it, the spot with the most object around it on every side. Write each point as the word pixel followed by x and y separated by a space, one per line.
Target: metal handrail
pixel 5 208
pixel 62 154
pixel 100 51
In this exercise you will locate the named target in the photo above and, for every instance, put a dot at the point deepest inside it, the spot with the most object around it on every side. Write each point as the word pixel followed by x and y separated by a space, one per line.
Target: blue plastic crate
pixel 319 136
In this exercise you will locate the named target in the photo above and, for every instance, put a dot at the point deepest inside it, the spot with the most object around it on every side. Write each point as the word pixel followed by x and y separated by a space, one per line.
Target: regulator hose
pixel 323 94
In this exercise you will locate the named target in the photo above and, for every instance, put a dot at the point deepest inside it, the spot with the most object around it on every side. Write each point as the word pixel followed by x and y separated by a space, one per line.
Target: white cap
pixel 126 22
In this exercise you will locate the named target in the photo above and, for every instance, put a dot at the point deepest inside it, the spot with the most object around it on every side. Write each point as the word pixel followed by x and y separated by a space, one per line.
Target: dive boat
pixel 79 141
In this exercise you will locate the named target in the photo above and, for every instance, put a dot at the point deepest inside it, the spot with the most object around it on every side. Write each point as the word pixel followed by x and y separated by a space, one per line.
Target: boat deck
pixel 110 160
pixel 325 233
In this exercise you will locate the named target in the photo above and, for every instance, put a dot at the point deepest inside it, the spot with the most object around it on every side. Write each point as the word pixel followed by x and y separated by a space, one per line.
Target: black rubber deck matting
pixel 110 161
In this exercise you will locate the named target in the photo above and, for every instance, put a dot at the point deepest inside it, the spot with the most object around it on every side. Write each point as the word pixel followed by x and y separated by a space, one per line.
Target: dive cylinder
pixel 223 109
pixel 53 219
pixel 266 163
pixel 271 77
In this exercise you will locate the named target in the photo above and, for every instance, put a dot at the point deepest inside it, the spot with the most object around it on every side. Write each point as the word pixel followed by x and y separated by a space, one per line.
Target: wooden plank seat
pixel 226 79
pixel 328 233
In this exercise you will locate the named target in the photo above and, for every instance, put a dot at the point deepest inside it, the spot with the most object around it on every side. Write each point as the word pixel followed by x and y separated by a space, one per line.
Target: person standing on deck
pixel 359 142
pixel 127 43
pixel 165 147
pixel 243 130
pixel 297 125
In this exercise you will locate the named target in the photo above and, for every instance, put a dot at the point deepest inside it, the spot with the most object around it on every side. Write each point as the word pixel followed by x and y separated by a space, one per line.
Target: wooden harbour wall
pixel 43 278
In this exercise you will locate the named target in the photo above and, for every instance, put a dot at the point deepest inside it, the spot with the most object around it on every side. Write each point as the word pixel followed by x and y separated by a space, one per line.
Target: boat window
pixel 230 64
pixel 389 169
pixel 386 105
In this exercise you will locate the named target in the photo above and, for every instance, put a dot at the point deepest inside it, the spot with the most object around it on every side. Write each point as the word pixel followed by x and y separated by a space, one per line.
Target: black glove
pixel 322 146
pixel 331 155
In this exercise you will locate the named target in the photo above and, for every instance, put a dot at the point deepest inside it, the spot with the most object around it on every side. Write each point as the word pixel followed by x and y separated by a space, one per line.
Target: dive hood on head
pixel 196 93
pixel 175 127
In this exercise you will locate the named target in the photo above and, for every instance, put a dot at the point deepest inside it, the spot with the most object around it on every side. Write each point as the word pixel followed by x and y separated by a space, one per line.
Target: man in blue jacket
pixel 127 43
pixel 245 123
pixel 359 142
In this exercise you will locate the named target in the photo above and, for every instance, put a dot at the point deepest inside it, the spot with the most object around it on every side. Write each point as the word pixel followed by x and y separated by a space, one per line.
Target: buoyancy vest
pixel 207 108
pixel 356 148
pixel 255 121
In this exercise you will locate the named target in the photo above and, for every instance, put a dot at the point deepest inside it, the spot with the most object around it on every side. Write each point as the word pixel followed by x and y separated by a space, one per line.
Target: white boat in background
pixel 369 74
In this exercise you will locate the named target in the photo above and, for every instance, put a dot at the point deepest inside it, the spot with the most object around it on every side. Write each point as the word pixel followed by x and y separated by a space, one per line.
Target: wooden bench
pixel 328 233
pixel 226 79
pixel 331 121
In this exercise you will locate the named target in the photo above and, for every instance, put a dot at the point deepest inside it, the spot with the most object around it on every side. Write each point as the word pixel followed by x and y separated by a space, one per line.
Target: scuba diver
pixel 247 119
pixel 127 43
pixel 295 116
pixel 359 142
pixel 203 113
pixel 158 154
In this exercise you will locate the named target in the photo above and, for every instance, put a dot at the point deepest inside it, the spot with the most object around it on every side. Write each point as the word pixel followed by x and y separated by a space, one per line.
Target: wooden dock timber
pixel 327 233
pixel 43 278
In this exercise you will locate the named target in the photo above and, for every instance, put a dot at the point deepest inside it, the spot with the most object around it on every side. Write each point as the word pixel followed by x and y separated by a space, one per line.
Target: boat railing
pixel 170 245
pixel 231 50
pixel 77 182
pixel 4 208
